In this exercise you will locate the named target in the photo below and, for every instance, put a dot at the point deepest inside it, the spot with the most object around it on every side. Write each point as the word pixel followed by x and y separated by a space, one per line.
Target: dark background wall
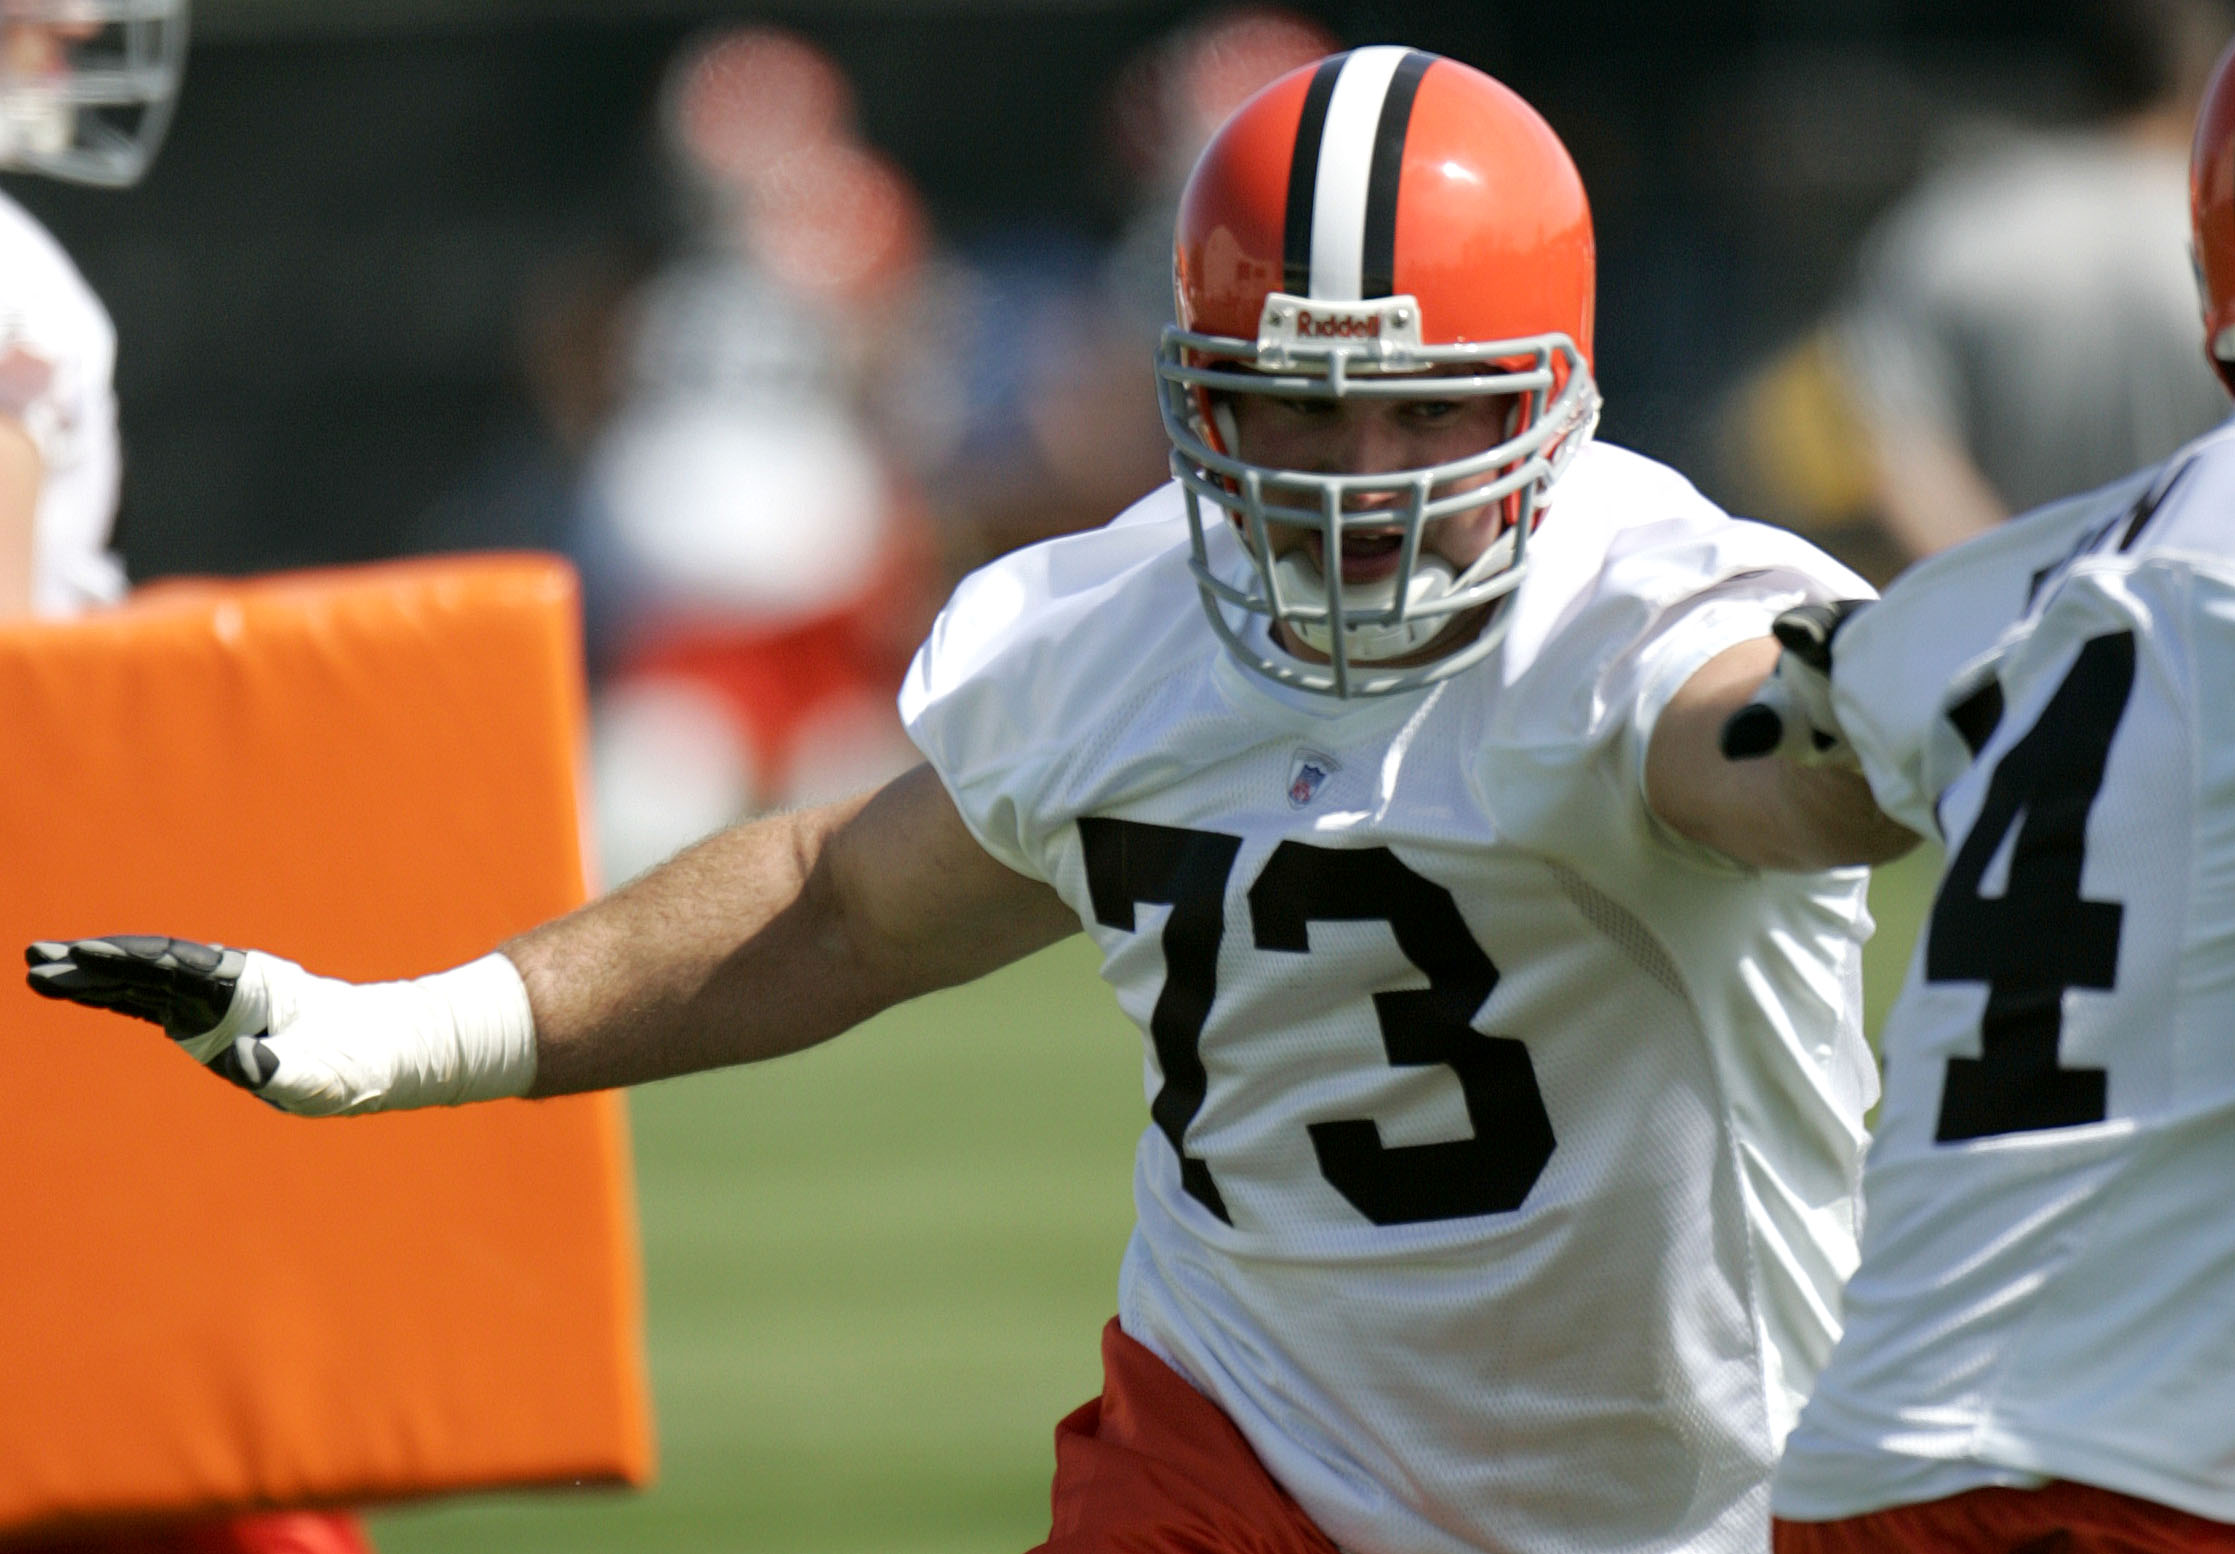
pixel 317 288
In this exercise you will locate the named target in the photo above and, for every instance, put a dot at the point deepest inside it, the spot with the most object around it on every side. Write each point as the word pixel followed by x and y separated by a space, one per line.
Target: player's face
pixel 39 50
pixel 1375 437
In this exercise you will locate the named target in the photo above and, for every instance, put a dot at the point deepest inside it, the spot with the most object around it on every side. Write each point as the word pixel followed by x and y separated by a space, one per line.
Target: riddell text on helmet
pixel 1337 326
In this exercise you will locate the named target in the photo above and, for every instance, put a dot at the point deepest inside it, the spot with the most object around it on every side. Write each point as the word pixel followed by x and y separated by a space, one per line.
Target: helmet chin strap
pixel 1433 580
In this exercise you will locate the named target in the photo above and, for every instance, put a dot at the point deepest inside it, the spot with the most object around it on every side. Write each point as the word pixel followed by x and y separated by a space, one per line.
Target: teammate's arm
pixel 1776 814
pixel 775 936
pixel 765 939
pixel 21 471
pixel 1928 493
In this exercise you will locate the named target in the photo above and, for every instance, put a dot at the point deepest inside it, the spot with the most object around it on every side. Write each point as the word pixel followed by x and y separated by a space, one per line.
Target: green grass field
pixel 876 1273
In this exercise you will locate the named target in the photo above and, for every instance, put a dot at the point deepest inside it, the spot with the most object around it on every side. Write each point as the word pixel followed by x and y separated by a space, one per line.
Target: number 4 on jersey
pixel 2037 938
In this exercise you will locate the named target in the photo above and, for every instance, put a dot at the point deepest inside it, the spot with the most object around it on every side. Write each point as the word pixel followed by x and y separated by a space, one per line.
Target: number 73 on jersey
pixel 1131 863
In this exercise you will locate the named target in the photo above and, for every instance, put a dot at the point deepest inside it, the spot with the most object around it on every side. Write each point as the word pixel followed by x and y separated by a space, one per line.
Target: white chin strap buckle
pixel 1431 582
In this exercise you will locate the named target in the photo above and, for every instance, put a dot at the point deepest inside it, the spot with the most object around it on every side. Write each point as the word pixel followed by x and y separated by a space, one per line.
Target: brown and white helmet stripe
pixel 1340 240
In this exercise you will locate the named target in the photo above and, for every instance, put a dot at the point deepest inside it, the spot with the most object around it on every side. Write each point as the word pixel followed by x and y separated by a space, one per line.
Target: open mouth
pixel 1368 555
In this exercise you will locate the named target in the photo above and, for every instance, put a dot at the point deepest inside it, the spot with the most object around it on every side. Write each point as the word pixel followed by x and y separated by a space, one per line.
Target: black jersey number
pixel 1490 1171
pixel 1127 863
pixel 2038 937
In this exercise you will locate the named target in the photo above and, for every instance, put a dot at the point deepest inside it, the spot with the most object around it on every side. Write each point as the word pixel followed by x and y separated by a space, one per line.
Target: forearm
pixel 732 952
pixel 1774 814
pixel 1806 818
pixel 775 936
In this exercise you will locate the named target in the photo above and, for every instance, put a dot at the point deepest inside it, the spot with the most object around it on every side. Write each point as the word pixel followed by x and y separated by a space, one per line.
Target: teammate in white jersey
pixel 58 447
pixel 86 88
pixel 2040 1341
pixel 1503 1059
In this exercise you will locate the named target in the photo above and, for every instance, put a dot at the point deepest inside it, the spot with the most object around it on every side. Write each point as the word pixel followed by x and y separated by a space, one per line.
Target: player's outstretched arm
pixel 775 936
pixel 768 938
pixel 1800 812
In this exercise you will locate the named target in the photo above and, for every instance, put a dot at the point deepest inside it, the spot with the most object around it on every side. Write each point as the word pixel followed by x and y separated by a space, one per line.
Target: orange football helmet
pixel 2211 204
pixel 1385 223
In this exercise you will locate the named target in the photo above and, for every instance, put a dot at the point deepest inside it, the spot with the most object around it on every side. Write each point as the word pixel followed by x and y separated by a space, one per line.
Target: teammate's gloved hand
pixel 305 1043
pixel 1791 715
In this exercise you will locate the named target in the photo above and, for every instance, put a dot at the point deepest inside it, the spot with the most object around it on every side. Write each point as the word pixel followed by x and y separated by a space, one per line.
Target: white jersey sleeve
pixel 1646 581
pixel 1020 661
pixel 2047 1287
pixel 57 357
pixel 1502 1148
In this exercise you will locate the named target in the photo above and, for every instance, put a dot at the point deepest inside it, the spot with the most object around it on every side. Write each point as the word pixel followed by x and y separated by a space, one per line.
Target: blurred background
pixel 777 320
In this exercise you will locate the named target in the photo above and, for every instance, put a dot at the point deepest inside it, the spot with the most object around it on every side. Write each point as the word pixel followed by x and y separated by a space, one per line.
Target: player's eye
pixel 1432 410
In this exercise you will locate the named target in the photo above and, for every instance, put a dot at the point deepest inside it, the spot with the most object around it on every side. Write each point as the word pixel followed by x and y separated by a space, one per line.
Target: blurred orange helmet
pixel 2211 196
pixel 1385 223
pixel 741 101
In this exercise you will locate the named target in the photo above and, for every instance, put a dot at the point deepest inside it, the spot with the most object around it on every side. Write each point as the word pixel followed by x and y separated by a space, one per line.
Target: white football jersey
pixel 1503 1147
pixel 2047 1287
pixel 57 355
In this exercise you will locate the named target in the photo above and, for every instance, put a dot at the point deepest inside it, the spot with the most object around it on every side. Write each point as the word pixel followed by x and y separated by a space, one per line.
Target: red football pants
pixel 2060 1517
pixel 276 1532
pixel 1153 1467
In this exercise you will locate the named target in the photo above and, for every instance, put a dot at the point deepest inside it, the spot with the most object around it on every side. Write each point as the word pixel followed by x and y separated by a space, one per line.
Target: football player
pixel 2040 1340
pixel 86 88
pixel 86 91
pixel 1504 1066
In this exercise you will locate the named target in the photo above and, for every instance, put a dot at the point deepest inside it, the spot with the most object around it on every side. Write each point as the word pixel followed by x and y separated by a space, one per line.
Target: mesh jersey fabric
pixel 57 354
pixel 1500 1172
pixel 2047 1288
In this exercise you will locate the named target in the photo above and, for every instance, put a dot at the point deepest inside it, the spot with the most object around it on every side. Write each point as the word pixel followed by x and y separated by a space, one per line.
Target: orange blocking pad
pixel 207 1303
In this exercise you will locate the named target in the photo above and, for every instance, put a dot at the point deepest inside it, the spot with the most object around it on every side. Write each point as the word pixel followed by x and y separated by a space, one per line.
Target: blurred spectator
pixel 767 555
pixel 2021 325
pixel 743 446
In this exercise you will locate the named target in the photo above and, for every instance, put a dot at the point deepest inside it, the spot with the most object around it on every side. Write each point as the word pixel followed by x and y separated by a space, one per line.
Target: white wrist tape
pixel 329 1047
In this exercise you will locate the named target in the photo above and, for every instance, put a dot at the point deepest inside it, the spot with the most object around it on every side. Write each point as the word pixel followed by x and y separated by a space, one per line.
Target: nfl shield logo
pixel 1308 772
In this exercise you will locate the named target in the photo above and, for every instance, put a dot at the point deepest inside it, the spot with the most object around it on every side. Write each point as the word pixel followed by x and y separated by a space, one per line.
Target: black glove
pixel 1792 714
pixel 185 987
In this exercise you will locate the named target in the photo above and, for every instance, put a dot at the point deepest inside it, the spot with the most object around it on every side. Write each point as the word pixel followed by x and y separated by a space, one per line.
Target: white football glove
pixel 310 1044
pixel 1791 716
